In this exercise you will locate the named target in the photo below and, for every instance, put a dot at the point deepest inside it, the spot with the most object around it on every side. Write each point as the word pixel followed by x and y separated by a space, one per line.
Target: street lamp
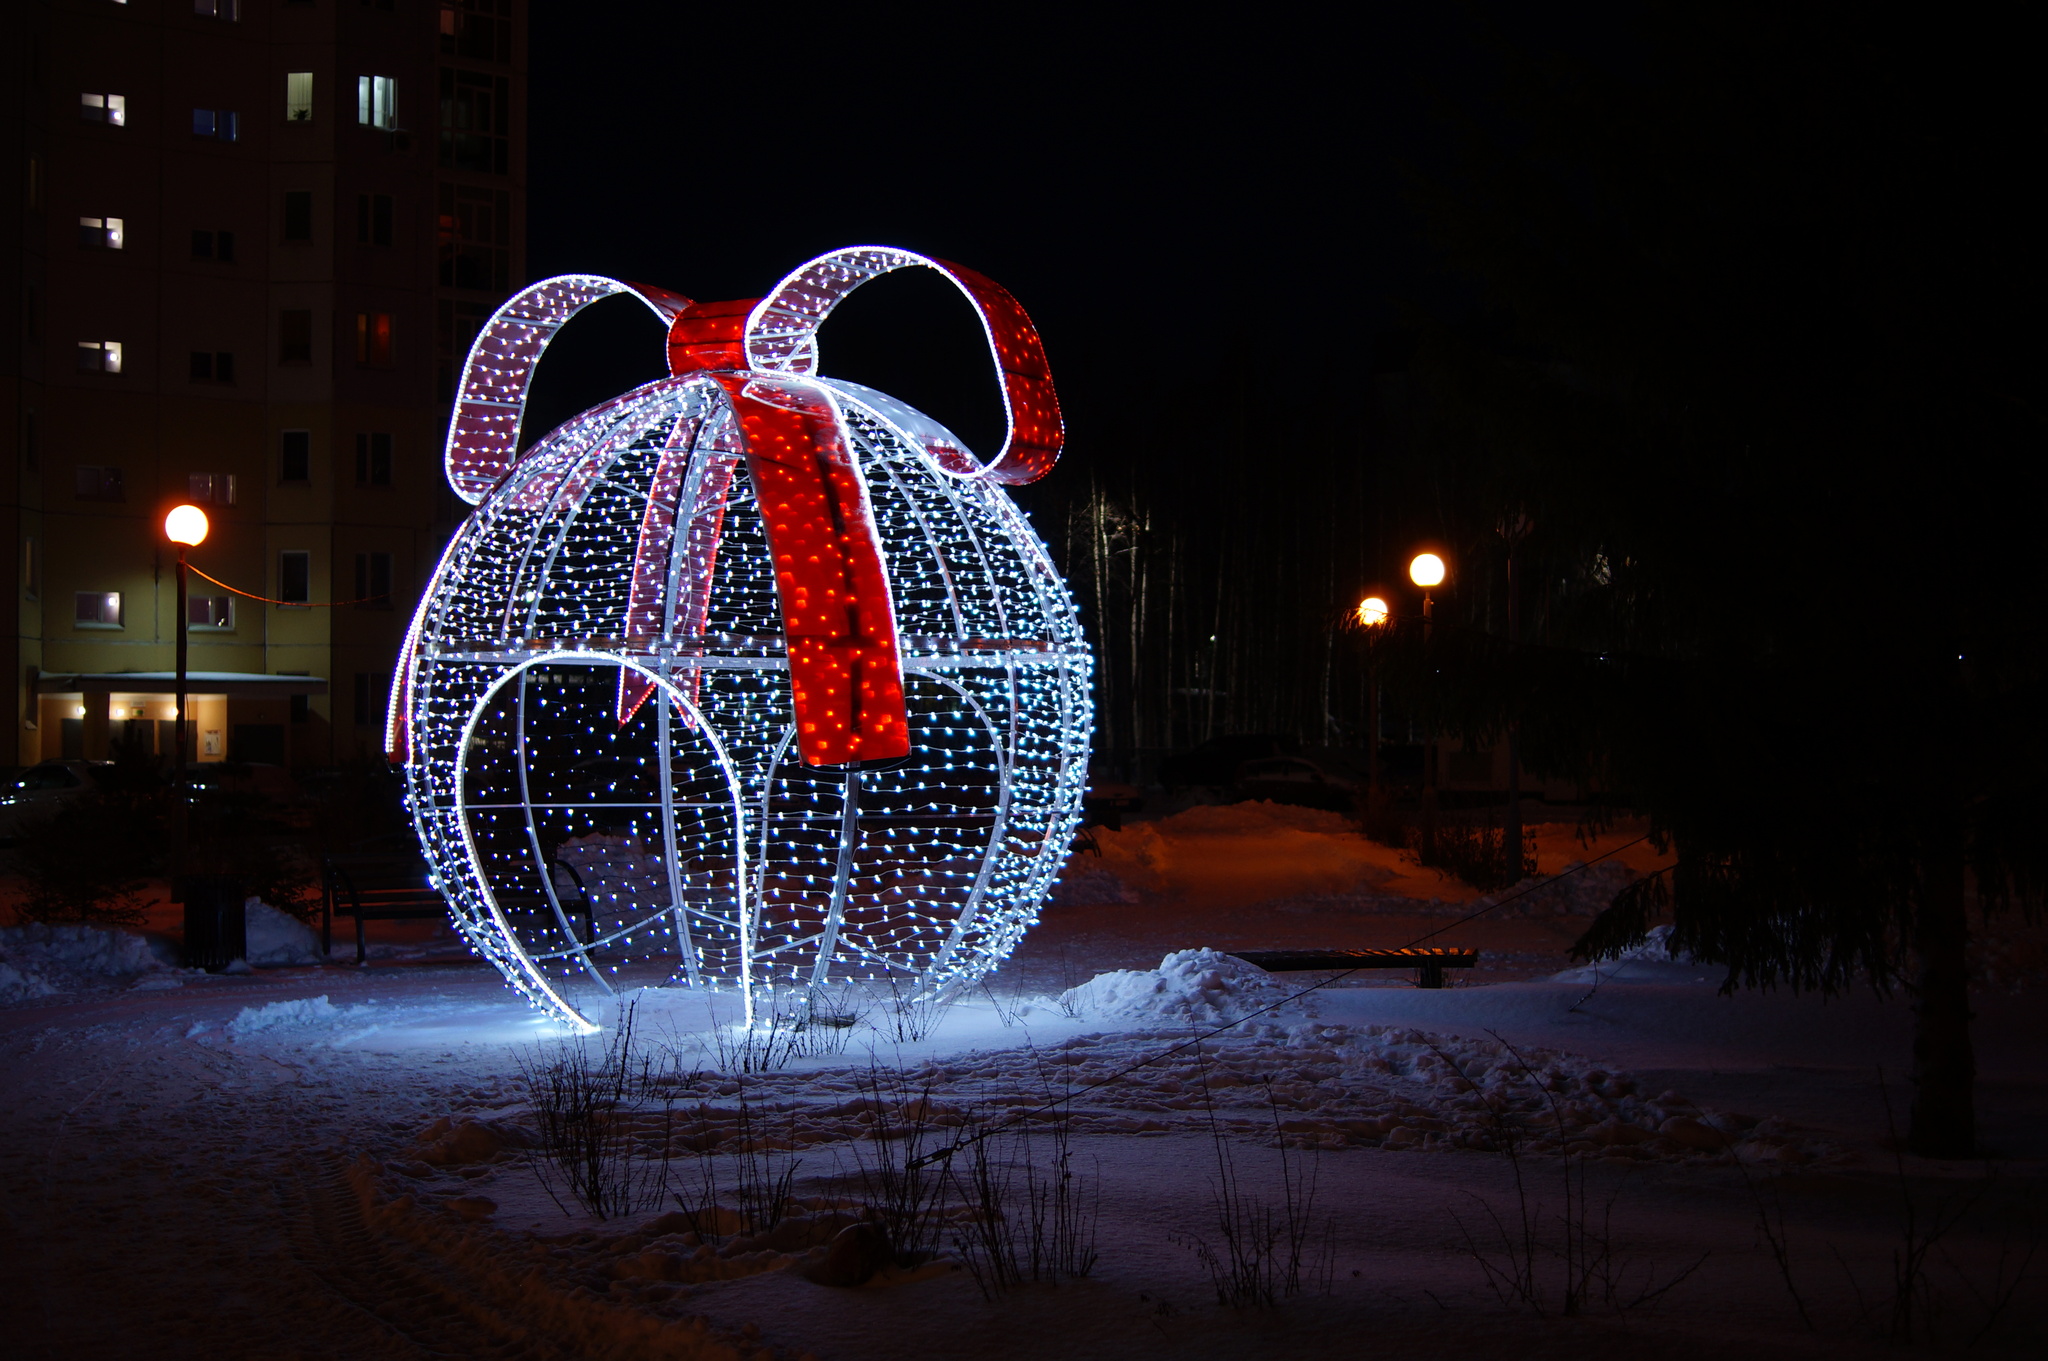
pixel 1428 570
pixel 1373 613
pixel 186 527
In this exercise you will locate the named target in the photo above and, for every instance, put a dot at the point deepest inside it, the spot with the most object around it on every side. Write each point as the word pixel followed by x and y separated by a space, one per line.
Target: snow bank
pixel 1653 960
pixel 1203 986
pixel 1082 884
pixel 299 1012
pixel 277 938
pixel 40 959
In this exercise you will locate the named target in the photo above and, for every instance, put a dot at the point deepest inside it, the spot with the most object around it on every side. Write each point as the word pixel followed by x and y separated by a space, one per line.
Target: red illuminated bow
pixel 846 673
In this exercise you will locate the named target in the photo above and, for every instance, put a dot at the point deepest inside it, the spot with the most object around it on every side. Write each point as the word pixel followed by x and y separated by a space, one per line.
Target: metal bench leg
pixel 1432 976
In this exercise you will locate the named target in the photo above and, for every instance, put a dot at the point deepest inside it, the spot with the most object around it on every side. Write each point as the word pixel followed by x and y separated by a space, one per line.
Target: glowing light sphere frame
pixel 647 727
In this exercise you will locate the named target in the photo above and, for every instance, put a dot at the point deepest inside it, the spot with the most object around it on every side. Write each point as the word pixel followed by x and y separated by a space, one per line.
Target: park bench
pixel 1429 961
pixel 372 886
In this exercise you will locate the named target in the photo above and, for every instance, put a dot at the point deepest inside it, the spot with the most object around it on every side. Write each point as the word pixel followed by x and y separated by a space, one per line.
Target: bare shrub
pixel 911 1010
pixel 587 1103
pixel 741 1184
pixel 1031 1217
pixel 1264 1252
pixel 1515 1254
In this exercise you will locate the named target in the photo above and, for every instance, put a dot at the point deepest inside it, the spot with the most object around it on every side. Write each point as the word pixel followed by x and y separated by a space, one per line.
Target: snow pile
pixel 1202 986
pixel 40 959
pixel 299 1012
pixel 1652 961
pixel 276 938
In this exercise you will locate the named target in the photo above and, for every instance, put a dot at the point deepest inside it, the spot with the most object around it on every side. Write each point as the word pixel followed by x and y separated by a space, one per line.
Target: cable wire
pixel 295 604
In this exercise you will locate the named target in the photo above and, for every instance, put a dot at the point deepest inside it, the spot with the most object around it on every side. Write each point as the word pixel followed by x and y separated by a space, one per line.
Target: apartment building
pixel 250 241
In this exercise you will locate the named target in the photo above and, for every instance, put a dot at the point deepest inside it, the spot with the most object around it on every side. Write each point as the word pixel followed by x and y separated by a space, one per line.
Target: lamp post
pixel 186 527
pixel 1372 617
pixel 1427 570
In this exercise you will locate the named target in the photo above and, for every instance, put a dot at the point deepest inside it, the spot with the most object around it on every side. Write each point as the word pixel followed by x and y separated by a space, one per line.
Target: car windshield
pixel 49 777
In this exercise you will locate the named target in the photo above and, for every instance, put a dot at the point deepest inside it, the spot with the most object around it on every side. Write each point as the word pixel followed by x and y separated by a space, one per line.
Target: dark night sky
pixel 1168 193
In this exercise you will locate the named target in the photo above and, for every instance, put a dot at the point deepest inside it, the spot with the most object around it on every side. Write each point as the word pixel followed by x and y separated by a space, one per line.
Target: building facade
pixel 250 242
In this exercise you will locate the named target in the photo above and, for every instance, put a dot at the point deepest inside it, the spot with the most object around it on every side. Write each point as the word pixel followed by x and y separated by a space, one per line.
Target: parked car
pixel 1296 780
pixel 1216 761
pixel 41 790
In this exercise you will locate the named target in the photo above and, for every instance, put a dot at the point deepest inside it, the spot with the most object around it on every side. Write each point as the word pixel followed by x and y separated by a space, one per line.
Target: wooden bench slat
pixel 1430 960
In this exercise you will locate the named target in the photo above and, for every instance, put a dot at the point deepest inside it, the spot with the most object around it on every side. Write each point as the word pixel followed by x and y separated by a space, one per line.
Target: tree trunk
pixel 1944 1118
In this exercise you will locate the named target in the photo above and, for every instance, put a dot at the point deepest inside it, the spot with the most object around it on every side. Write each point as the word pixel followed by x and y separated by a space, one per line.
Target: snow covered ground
pixel 311 1160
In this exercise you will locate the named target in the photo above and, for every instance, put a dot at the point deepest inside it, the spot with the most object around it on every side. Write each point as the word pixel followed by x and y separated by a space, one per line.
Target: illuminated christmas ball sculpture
pixel 748 678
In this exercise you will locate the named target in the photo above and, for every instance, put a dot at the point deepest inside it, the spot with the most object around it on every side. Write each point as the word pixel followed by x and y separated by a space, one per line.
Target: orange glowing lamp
pixel 186 525
pixel 1427 570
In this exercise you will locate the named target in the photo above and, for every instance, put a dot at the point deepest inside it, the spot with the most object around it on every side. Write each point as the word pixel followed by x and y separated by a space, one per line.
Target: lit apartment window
pixel 295 576
pixel 104 109
pixel 211 488
pixel 230 10
pixel 99 233
pixel 295 336
pixel 210 611
pixel 373 459
pixel 100 482
pixel 373 581
pixel 373 339
pixel 377 101
pixel 298 215
pixel 298 96
pixel 295 456
pixel 221 124
pixel 213 366
pixel 97 608
pixel 99 356
pixel 373 219
pixel 214 246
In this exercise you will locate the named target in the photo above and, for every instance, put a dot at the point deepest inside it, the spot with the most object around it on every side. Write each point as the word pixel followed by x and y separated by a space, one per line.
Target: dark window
pixel 210 611
pixel 202 245
pixel 373 339
pixel 373 581
pixel 298 215
pixel 295 456
pixel 373 219
pixel 373 459
pixel 220 124
pixel 100 482
pixel 301 710
pixel 216 489
pixel 217 366
pixel 295 337
pixel 224 247
pixel 476 122
pixel 295 576
pixel 456 325
pixel 229 10
pixel 480 30
pixel 97 607
pixel 475 234
pixel 365 700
